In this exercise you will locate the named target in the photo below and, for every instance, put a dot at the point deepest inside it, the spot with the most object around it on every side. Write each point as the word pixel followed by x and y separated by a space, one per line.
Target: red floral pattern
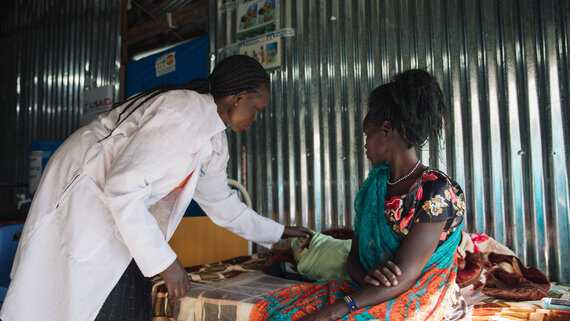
pixel 419 193
pixel 394 208
pixel 452 193
pixel 429 177
pixel 478 238
pixel 406 220
pixel 434 197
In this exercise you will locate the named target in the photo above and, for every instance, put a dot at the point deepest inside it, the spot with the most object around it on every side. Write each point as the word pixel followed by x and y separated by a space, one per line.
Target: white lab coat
pixel 101 203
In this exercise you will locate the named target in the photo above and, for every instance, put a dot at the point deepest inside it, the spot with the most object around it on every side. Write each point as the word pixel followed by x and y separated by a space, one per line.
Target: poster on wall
pixel 96 101
pixel 267 53
pixel 255 17
pixel 165 64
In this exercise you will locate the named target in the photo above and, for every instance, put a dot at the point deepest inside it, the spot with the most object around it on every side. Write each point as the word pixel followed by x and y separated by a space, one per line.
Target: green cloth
pixel 325 258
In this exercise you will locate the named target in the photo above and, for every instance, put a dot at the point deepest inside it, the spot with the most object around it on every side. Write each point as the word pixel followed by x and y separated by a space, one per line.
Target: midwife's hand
pixel 383 273
pixel 296 231
pixel 176 280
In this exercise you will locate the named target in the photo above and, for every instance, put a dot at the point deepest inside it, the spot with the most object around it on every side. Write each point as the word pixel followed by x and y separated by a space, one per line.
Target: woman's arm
pixel 225 209
pixel 412 256
pixel 353 265
pixel 386 273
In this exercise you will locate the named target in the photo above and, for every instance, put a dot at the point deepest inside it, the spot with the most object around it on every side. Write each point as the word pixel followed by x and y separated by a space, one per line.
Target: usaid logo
pixel 104 103
pixel 96 101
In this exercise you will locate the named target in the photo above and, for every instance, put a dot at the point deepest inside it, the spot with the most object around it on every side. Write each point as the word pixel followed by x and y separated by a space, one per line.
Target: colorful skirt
pixel 431 298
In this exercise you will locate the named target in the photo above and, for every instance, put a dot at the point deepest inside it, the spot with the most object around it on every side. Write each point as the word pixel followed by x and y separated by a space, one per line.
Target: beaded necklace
pixel 403 177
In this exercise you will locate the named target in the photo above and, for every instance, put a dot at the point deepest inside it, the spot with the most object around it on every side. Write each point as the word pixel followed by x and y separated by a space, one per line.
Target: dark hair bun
pixel 413 103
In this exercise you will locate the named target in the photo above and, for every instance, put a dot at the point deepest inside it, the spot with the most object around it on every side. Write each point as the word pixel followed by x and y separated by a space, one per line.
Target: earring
pixel 235 104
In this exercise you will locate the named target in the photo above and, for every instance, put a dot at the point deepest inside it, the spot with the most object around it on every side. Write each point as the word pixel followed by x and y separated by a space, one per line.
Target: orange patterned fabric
pixel 428 299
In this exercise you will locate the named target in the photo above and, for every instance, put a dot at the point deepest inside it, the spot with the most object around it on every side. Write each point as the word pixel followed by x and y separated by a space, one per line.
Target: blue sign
pixel 176 65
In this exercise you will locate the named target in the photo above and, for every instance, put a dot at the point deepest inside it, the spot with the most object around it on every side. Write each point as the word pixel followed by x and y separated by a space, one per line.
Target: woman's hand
pixel 176 280
pixel 383 273
pixel 296 231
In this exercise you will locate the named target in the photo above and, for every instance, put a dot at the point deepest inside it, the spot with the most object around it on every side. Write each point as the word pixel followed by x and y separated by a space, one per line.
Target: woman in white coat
pixel 112 195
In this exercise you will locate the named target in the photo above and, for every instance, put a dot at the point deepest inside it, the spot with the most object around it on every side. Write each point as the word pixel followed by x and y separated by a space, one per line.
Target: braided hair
pixel 231 76
pixel 413 102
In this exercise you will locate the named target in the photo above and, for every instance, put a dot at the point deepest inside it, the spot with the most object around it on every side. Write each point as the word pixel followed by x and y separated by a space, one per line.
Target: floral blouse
pixel 434 197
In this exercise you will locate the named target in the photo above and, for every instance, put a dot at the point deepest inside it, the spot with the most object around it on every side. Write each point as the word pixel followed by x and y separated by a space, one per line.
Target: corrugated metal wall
pixel 51 50
pixel 504 67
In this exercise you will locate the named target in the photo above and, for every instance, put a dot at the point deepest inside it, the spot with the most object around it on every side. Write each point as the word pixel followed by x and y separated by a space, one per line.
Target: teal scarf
pixel 377 241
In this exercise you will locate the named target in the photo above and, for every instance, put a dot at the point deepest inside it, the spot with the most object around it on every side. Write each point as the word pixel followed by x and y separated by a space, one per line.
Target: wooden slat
pixel 187 15
pixel 197 240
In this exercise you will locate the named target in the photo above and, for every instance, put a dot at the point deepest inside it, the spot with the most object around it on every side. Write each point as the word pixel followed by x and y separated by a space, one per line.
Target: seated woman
pixel 406 212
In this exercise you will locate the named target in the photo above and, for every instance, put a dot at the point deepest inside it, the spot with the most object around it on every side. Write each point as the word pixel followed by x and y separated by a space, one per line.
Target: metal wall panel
pixel 504 67
pixel 51 50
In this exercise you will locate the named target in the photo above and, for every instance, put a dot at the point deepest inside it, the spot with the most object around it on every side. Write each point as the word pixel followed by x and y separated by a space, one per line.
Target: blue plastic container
pixel 40 152
pixel 8 244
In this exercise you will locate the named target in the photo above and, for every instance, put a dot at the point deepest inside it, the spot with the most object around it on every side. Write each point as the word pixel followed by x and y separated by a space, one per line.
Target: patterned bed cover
pixel 226 290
